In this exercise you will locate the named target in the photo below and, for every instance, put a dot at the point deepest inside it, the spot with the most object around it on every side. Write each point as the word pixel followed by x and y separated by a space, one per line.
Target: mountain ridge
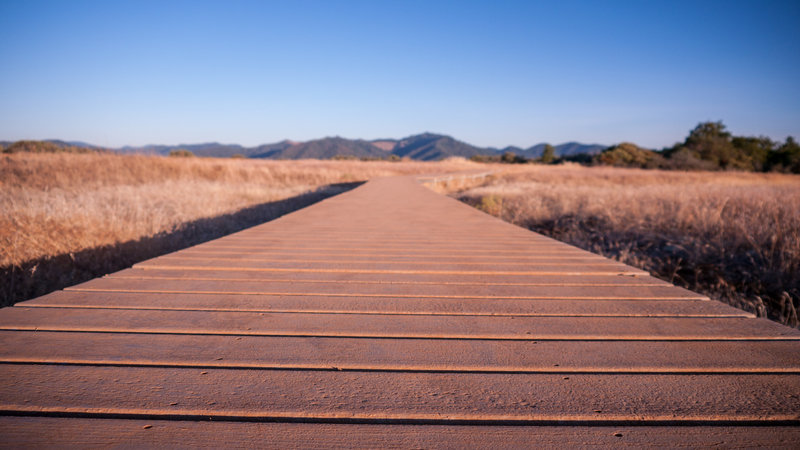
pixel 425 146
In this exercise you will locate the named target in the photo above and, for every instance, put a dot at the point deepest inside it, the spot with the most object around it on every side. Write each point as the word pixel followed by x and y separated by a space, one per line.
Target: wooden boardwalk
pixel 392 316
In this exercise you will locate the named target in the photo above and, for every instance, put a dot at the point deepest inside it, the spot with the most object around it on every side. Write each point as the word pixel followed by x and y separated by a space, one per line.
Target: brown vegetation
pixel 46 147
pixel 69 217
pixel 733 236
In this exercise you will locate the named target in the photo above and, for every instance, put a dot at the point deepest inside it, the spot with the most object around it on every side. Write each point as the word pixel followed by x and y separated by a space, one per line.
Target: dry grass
pixel 734 236
pixel 56 208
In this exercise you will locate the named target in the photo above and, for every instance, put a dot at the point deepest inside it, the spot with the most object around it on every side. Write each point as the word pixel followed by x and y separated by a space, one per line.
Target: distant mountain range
pixel 424 147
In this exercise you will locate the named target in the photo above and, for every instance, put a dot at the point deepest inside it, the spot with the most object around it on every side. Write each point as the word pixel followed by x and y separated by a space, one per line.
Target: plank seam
pixel 151 266
pixel 420 419
pixel 367 261
pixel 370 369
pixel 424 337
pixel 414 283
pixel 386 313
pixel 355 294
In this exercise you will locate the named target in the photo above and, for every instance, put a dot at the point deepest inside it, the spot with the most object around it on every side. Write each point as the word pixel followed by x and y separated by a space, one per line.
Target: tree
pixel 753 152
pixel 509 157
pixel 709 146
pixel 548 155
pixel 710 142
pixel 705 132
pixel 786 158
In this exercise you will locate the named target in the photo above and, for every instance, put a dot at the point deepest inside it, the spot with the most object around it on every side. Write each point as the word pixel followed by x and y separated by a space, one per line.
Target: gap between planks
pixel 367 295
pixel 395 313
pixel 427 283
pixel 159 266
pixel 85 433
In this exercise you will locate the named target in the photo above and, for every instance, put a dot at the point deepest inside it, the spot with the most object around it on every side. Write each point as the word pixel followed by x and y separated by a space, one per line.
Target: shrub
pixel 44 147
pixel 630 155
pixel 181 153
pixel 491 204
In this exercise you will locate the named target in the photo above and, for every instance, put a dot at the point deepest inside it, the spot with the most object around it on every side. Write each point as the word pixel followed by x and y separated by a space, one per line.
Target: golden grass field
pixel 68 217
pixel 734 236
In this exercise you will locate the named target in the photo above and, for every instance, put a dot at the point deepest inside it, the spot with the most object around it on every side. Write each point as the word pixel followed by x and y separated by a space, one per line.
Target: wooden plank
pixel 150 392
pixel 46 432
pixel 392 278
pixel 417 261
pixel 402 262
pixel 356 237
pixel 399 326
pixel 384 305
pixel 486 268
pixel 438 228
pixel 331 247
pixel 264 251
pixel 418 355
pixel 435 231
pixel 430 259
pixel 389 290
pixel 395 277
pixel 471 229
pixel 376 246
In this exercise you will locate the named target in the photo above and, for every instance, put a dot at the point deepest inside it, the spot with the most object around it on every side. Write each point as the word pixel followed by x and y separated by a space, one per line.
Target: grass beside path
pixel 731 235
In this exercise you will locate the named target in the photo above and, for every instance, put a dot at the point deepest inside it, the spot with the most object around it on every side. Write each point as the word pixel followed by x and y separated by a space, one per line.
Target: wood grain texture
pixel 393 325
pixel 386 305
pixel 44 432
pixel 561 357
pixel 398 267
pixel 399 396
pixel 410 278
pixel 356 289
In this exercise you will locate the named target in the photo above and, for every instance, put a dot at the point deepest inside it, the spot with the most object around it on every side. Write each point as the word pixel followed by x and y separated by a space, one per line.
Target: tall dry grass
pixel 734 236
pixel 56 208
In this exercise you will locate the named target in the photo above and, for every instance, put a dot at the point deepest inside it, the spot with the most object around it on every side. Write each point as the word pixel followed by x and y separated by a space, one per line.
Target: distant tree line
pixel 45 147
pixel 548 157
pixel 392 158
pixel 709 146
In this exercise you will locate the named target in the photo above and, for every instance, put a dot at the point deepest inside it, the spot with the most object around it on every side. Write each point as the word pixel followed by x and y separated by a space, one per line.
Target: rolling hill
pixel 432 147
pixel 329 147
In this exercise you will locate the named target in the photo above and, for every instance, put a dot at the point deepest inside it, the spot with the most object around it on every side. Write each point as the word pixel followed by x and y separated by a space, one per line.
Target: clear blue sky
pixel 492 73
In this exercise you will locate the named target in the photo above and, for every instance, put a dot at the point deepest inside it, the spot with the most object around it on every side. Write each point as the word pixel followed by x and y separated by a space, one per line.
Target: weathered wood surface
pixel 390 316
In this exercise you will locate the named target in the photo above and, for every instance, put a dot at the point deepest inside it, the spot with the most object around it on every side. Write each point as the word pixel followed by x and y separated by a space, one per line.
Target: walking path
pixel 392 316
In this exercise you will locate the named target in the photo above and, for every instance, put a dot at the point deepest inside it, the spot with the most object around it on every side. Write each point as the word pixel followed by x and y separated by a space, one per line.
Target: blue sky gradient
pixel 492 73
